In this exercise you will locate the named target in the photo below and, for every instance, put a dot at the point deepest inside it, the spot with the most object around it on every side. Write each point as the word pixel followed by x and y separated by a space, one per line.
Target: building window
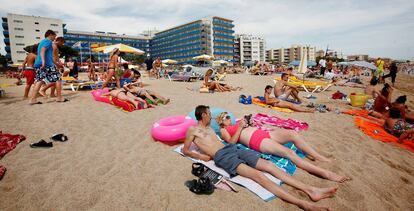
pixel 19 36
pixel 38 38
pixel 17 21
pixel 54 24
pixel 37 30
pixel 20 44
pixel 21 52
pixel 37 23
pixel 18 29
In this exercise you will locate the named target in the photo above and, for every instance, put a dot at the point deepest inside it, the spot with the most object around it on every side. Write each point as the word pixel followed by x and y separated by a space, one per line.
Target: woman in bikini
pixel 271 142
pixel 123 95
pixel 113 69
pixel 214 85
pixel 396 126
pixel 140 92
pixel 382 102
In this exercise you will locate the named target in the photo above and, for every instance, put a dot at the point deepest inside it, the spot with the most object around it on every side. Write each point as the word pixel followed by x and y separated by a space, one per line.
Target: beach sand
pixel 111 162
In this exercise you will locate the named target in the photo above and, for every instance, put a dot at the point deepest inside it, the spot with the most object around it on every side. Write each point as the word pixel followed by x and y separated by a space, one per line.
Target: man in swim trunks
pixel 46 72
pixel 236 161
pixel 281 103
pixel 29 72
pixel 283 89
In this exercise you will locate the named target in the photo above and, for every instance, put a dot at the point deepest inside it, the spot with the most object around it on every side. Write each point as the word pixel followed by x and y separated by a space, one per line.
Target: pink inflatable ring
pixel 172 129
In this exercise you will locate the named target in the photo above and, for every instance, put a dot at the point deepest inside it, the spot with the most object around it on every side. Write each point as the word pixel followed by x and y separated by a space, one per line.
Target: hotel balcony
pixel 6 34
pixel 5 26
pixel 7 48
pixel 7 41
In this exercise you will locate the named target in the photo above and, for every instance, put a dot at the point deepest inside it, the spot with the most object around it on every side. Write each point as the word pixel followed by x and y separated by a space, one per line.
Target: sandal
pixel 41 144
pixel 59 137
pixel 198 169
pixel 201 186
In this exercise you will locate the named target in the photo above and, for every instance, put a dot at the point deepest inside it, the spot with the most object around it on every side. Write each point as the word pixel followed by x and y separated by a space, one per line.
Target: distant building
pixel 211 36
pixel 249 49
pixel 360 57
pixel 320 53
pixel 85 41
pixel 22 30
pixel 286 55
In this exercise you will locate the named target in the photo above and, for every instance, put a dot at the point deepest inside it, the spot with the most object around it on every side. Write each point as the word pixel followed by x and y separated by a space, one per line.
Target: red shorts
pixel 30 76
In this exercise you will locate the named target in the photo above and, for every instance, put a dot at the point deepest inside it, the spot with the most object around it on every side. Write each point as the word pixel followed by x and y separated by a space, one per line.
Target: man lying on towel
pixel 283 90
pixel 246 163
pixel 281 103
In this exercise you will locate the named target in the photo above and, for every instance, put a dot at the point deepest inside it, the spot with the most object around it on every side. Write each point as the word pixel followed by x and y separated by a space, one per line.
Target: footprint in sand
pixel 406 181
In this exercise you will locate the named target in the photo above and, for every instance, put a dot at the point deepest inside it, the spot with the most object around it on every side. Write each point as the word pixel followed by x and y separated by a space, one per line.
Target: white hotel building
pixel 249 49
pixel 22 30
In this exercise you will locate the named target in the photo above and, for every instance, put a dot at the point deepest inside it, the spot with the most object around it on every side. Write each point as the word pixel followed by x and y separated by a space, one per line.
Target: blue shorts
pixel 47 74
pixel 230 157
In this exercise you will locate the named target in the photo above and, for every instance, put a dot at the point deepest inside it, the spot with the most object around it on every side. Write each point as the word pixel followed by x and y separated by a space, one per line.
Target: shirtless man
pixel 236 161
pixel 283 90
pixel 157 67
pixel 282 104
pixel 133 89
pixel 29 72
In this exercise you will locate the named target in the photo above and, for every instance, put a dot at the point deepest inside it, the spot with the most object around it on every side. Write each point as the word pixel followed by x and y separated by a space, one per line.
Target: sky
pixel 378 28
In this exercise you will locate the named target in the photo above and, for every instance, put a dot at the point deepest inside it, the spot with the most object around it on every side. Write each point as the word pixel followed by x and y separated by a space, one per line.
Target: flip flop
pixel 65 100
pixel 201 186
pixel 41 144
pixel 59 137
pixel 36 103
pixel 198 169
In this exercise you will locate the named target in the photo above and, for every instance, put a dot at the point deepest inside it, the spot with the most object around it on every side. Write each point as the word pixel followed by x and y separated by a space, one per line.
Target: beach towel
pixel 7 143
pixel 363 113
pixel 259 102
pixel 261 120
pixel 376 131
pixel 282 163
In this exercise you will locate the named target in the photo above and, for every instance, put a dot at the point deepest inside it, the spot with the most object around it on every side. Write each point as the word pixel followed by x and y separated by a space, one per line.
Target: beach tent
pixel 364 64
pixel 122 48
pixel 169 61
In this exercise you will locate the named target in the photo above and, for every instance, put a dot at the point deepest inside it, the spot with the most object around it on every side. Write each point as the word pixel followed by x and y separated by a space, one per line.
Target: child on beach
pixel 272 101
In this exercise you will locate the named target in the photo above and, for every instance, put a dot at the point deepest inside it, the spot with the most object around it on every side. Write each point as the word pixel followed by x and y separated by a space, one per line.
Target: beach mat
pixel 377 132
pixel 282 163
pixel 259 102
pixel 363 113
pixel 261 121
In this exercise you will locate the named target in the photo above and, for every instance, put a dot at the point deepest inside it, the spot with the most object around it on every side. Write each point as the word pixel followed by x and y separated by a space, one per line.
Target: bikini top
pixel 232 129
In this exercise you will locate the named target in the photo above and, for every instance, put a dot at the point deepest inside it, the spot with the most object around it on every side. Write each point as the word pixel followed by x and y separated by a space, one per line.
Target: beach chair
pixel 308 86
pixel 187 76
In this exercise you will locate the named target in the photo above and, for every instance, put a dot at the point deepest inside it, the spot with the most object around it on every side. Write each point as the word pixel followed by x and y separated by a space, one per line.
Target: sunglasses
pixel 226 117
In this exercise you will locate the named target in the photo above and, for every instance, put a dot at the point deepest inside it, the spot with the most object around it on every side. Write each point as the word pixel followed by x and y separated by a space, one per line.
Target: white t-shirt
pixel 322 63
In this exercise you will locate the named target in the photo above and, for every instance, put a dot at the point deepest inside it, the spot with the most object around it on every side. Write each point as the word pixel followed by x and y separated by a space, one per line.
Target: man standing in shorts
pixel 29 71
pixel 60 41
pixel 322 64
pixel 46 72
pixel 247 163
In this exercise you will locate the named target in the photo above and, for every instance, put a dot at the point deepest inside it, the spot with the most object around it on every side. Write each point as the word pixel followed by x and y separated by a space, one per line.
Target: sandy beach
pixel 111 162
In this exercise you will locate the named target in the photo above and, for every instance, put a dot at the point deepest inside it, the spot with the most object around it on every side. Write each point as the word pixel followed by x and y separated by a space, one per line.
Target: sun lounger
pixel 308 86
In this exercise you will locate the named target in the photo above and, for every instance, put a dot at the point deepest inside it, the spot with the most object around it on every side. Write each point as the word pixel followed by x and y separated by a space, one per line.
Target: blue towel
pixel 280 162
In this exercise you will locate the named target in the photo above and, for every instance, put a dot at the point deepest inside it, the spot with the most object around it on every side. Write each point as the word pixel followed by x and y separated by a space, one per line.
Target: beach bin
pixel 358 99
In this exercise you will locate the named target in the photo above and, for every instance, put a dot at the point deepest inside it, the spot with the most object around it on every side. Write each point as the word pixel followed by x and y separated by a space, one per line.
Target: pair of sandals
pixel 202 186
pixel 245 100
pixel 43 144
pixel 319 107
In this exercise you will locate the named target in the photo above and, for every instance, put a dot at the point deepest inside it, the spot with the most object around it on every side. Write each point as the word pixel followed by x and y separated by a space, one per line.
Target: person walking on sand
pixel 29 72
pixel 236 161
pixel 392 74
pixel 113 69
pixel 46 72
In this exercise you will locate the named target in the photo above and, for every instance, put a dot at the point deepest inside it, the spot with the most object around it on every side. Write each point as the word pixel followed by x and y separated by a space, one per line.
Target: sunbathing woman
pixel 136 91
pixel 214 85
pixel 272 143
pixel 395 125
pixel 122 95
pixel 283 104
pixel 382 102
pixel 406 114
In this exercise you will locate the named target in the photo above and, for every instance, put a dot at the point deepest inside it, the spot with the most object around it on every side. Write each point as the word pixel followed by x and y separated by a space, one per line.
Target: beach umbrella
pixel 169 61
pixel 297 63
pixel 220 62
pixel 203 57
pixel 122 48
pixel 343 63
pixel 303 65
pixel 364 64
pixel 188 65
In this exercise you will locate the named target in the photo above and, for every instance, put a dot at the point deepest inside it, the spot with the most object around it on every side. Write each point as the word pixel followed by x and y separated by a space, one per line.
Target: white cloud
pixel 380 28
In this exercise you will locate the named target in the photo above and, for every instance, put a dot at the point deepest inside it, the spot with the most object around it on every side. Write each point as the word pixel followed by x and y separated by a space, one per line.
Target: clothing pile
pixel 7 143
